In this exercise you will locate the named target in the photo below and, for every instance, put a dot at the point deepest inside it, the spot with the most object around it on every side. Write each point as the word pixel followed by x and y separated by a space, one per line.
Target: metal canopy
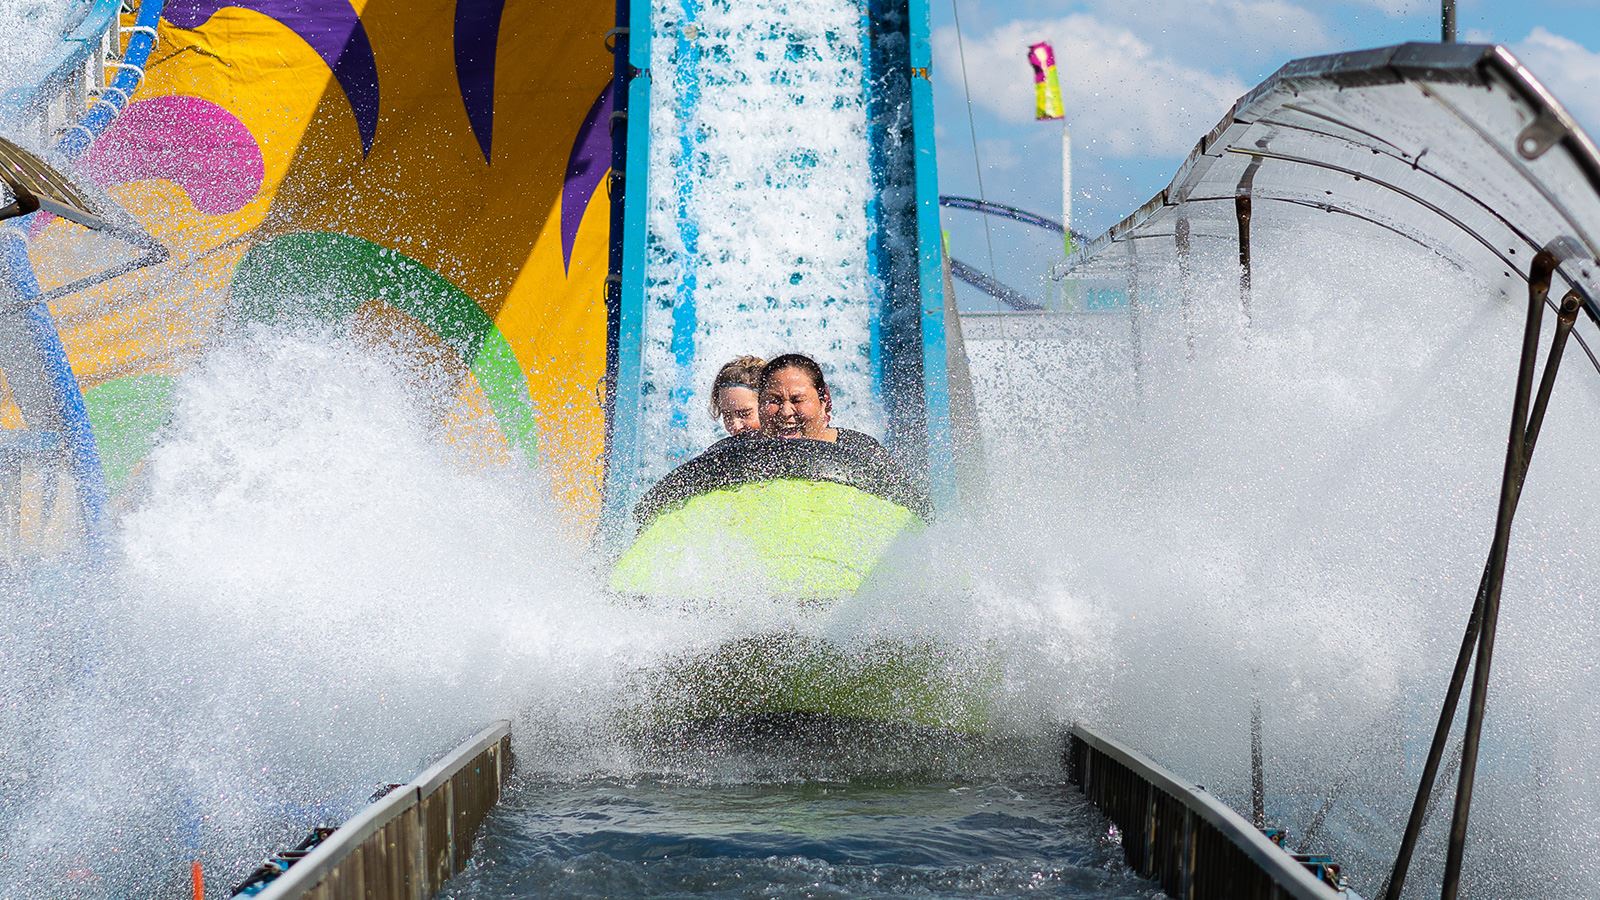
pixel 1454 146
pixel 34 185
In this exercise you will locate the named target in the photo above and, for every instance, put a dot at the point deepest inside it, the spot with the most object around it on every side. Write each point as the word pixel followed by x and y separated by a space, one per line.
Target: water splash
pixel 34 29
pixel 317 589
pixel 1301 513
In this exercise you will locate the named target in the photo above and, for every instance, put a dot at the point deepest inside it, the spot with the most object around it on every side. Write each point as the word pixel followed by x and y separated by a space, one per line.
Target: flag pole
pixel 1066 185
pixel 1048 105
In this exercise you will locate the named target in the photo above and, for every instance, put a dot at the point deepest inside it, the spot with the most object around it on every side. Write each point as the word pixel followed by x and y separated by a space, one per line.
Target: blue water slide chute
pixel 908 347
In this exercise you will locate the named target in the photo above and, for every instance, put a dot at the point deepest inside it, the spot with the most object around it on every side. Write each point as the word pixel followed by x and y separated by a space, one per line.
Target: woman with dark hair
pixel 795 403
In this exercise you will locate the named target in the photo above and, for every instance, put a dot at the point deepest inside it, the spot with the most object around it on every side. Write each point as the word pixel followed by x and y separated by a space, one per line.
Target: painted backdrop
pixel 429 174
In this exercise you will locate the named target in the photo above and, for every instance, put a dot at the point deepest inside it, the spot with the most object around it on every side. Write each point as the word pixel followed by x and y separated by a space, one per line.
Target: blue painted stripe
pixel 930 270
pixel 877 165
pixel 685 175
pixel 622 469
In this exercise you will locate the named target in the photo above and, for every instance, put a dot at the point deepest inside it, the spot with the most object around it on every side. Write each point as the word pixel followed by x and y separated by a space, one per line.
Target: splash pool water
pixel 884 838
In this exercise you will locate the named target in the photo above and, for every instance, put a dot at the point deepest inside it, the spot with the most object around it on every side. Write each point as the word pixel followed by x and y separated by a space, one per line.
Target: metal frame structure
pixel 628 265
pixel 32 356
pixel 57 100
pixel 1456 147
pixel 940 443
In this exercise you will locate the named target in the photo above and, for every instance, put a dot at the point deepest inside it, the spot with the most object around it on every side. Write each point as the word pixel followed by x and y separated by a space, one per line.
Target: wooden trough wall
pixel 1191 843
pixel 408 843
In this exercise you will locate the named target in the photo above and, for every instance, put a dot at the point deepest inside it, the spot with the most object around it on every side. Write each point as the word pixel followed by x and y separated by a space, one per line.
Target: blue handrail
pixel 130 74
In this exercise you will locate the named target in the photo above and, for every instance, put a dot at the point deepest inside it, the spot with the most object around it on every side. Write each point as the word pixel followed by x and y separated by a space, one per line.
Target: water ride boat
pixel 815 520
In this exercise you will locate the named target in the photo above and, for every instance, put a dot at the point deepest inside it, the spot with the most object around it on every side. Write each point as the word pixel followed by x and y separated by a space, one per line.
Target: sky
pixel 1144 80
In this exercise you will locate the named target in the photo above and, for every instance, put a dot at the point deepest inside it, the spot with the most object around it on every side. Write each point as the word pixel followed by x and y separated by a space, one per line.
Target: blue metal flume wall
pixel 894 373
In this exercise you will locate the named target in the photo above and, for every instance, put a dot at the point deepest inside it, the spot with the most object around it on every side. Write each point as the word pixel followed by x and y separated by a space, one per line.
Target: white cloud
pixel 1123 97
pixel 1570 70
pixel 1398 8
pixel 1204 29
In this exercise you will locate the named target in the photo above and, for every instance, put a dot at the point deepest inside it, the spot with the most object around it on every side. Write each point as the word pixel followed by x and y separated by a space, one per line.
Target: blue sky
pixel 1143 80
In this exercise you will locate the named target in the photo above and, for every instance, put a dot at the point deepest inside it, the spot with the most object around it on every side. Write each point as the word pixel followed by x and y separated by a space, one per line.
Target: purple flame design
pixel 586 166
pixel 330 27
pixel 477 35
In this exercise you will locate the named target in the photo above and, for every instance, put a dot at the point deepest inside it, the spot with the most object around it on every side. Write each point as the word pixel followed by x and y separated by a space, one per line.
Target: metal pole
pixel 1258 783
pixel 1241 208
pixel 1544 265
pixel 1447 21
pixel 1422 806
pixel 1241 212
pixel 1135 331
pixel 1185 280
pixel 1066 184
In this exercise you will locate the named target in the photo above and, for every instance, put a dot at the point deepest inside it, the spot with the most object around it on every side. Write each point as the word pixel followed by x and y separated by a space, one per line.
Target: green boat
pixel 817 521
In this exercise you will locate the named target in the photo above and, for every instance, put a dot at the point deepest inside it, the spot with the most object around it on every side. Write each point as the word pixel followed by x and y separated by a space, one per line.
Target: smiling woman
pixel 795 402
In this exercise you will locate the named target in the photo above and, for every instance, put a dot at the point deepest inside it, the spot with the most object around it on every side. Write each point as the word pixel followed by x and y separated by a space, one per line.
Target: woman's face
pixel 737 407
pixel 792 408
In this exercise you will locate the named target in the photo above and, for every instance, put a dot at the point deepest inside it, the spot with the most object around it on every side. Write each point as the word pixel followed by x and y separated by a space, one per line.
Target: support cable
pixel 1258 782
pixel 972 128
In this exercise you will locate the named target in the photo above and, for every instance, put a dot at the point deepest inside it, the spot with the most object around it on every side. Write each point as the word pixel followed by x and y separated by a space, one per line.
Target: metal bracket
pixel 138 71
pixel 1180 235
pixel 22 203
pixel 155 39
pixel 1242 213
pixel 1541 134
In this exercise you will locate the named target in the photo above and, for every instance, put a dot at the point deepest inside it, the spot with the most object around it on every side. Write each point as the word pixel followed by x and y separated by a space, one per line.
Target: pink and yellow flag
pixel 1046 82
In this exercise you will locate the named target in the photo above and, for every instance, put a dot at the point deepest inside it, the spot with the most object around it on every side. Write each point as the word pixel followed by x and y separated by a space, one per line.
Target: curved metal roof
pixel 1454 146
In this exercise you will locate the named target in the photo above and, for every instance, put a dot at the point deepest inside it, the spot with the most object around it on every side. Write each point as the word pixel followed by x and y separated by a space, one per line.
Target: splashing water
pixel 316 591
pixel 296 617
pixel 1301 512
pixel 34 29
